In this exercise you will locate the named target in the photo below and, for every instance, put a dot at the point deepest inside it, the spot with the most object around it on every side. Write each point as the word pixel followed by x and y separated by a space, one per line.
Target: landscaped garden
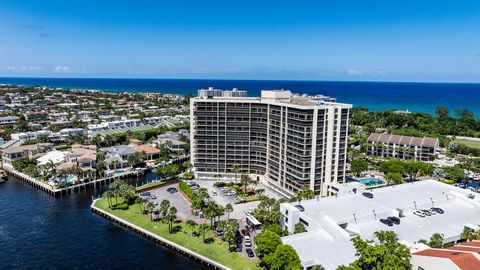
pixel 196 237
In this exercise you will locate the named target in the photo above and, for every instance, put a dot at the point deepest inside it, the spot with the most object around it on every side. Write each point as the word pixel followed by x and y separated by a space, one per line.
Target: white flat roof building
pixel 332 222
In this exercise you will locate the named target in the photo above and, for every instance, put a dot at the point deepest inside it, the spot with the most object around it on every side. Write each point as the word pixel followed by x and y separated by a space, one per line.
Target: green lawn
pixel 469 143
pixel 217 251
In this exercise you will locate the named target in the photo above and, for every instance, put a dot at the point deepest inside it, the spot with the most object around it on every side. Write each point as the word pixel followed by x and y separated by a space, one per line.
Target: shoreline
pixel 156 238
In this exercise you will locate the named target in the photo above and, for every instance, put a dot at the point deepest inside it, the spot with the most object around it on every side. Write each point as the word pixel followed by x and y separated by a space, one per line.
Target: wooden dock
pixel 66 190
pixel 158 239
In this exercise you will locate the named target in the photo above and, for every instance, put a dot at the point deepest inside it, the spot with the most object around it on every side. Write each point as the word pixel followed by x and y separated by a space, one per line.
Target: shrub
pixel 186 189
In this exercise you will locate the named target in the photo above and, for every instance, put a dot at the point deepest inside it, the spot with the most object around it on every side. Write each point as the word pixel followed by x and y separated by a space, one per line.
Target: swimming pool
pixel 66 180
pixel 371 182
pixel 120 171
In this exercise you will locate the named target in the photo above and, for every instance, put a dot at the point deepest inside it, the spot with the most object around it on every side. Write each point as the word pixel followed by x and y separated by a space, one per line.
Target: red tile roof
pixel 464 260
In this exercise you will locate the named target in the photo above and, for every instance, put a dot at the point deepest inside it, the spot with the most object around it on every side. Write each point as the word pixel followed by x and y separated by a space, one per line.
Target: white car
pixel 214 193
pixel 249 213
pixel 419 213
pixel 248 241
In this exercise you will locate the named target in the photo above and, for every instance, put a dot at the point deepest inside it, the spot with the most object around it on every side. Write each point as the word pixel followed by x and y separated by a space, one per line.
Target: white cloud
pixel 363 72
pixel 22 68
pixel 63 69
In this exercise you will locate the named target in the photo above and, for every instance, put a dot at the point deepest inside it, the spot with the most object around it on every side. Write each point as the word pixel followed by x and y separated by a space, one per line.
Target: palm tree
pixel 164 205
pixel 171 217
pixel 108 195
pixel 191 225
pixel 150 206
pixel 245 180
pixel 236 170
pixel 228 209
pixel 203 230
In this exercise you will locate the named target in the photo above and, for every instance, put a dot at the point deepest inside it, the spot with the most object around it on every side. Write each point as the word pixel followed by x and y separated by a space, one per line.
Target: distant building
pixel 8 120
pixel 464 256
pixel 212 92
pixel 403 147
pixel 36 116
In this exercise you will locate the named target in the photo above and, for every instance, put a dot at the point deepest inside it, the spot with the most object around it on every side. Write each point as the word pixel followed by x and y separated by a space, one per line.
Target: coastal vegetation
pixel 197 237
pixel 386 253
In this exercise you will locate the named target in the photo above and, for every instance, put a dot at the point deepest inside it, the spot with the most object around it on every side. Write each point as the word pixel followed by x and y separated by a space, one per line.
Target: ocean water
pixel 377 96
pixel 38 232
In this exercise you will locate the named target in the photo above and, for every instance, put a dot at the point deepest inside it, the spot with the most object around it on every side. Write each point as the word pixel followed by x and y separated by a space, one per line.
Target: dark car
pixel 249 252
pixel 238 237
pixel 395 220
pixel 172 190
pixel 368 195
pixel 245 232
pixel 438 210
pixel 299 207
pixel 239 247
pixel 386 222
pixel 145 194
pixel 260 254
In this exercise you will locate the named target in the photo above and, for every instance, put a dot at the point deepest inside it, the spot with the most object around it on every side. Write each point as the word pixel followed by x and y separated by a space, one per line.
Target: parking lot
pixel 176 199
pixel 218 196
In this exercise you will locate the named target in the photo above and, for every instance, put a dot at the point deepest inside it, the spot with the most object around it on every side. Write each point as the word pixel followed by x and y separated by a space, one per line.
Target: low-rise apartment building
pixel 402 147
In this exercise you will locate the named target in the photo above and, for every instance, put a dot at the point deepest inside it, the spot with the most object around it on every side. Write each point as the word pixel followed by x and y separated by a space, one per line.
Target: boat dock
pixel 70 189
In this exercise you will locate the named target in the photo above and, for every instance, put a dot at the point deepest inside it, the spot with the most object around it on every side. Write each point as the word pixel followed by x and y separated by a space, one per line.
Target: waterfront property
pixel 215 254
pixel 288 141
pixel 403 147
pixel 116 157
pixel 9 155
pixel 331 222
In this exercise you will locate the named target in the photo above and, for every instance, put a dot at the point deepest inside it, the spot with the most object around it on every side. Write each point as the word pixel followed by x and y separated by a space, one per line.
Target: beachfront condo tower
pixel 288 142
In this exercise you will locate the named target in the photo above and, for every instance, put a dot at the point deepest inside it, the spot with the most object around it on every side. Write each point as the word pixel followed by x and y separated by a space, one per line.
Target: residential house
pixel 29 151
pixel 116 157
pixel 171 140
pixel 83 156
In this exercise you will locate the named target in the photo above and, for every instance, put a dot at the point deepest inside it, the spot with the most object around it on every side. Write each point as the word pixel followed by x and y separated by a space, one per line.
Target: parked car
pixel 368 195
pixel 249 252
pixel 245 232
pixel 248 242
pixel 191 184
pixel 386 221
pixel 214 193
pixel 259 254
pixel 145 194
pixel 426 212
pixel 419 213
pixel 239 247
pixel 172 190
pixel 395 220
pixel 438 210
pixel 299 207
pixel 249 213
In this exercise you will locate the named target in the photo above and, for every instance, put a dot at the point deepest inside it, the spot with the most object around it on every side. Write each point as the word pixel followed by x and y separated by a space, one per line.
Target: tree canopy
pixel 387 254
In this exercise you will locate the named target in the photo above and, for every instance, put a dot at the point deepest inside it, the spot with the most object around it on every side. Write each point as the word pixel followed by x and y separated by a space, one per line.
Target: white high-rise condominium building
pixel 288 142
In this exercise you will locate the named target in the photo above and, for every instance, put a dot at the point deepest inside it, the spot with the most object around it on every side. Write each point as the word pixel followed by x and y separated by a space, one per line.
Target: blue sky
pixel 315 40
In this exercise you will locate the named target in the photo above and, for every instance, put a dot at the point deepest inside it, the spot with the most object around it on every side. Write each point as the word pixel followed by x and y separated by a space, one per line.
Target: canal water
pixel 38 231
